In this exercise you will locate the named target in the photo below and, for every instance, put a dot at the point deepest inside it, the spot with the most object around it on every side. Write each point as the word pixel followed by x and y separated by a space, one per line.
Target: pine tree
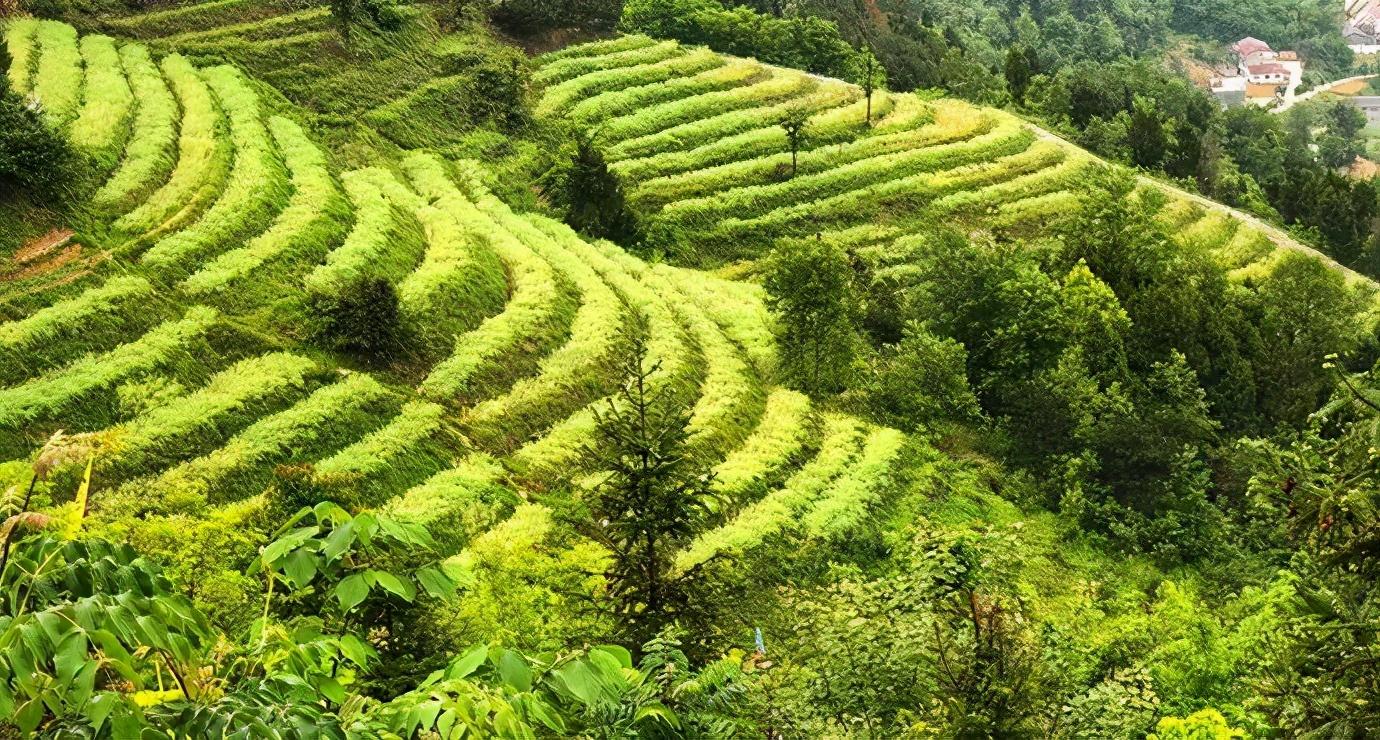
pixel 652 501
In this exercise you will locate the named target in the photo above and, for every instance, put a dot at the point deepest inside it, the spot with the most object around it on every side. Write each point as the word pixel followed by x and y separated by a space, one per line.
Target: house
pixel 1252 51
pixel 1271 73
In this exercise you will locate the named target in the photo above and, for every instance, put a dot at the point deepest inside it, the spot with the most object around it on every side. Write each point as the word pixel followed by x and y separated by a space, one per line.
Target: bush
pixel 33 156
pixel 921 380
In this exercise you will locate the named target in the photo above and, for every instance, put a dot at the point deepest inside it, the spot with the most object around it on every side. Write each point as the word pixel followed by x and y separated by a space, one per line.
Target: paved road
pixel 1315 91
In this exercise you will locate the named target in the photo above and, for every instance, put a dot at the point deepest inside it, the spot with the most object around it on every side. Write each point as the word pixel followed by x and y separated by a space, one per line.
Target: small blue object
pixel 761 646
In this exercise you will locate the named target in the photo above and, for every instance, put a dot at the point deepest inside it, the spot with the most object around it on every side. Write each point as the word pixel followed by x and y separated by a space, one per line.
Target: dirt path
pixel 1280 237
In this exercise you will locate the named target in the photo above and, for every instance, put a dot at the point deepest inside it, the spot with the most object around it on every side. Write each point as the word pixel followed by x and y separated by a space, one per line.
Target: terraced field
pixel 224 220
pixel 696 138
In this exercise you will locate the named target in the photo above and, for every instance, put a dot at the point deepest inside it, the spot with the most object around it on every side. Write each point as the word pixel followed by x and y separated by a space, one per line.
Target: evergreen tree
pixel 594 201
pixel 652 500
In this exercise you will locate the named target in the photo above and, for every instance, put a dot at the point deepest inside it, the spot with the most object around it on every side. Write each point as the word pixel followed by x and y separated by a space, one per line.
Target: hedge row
pixel 1067 173
pixel 731 396
pixel 1040 211
pixel 103 123
pixel 560 70
pixel 191 17
pixel 57 78
pixel 579 370
pixel 149 155
pixel 557 453
pixel 559 97
pixel 597 48
pixel 779 510
pixel 828 94
pixel 830 126
pixel 84 323
pixel 389 460
pixel 762 169
pixel 203 160
pixel 47 395
pixel 845 506
pixel 739 308
pixel 252 195
pixel 198 421
pixel 779 85
pixel 324 421
pixel 457 504
pixel 1246 246
pixel 1213 231
pixel 504 346
pixel 317 217
pixel 781 436
pixel 609 105
pixel 385 243
pixel 1007 138
pixel 460 280
pixel 311 19
pixel 19 42
pixel 904 195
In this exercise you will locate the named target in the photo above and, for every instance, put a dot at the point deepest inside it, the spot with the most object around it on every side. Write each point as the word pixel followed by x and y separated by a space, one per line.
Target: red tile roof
pixel 1269 68
pixel 1249 46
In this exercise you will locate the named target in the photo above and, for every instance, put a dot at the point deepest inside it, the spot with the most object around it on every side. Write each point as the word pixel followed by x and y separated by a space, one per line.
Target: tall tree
pixel 652 499
pixel 810 287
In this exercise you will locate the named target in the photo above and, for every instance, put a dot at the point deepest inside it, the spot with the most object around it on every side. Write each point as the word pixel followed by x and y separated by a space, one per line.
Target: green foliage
pixel 590 196
pixel 921 380
pixel 803 42
pixel 650 502
pixel 810 288
pixel 32 154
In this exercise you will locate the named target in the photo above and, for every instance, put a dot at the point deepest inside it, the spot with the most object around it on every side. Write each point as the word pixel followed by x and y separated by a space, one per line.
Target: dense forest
pixel 681 368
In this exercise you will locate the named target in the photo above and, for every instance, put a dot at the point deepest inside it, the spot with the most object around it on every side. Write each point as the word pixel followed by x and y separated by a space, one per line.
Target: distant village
pixel 1266 77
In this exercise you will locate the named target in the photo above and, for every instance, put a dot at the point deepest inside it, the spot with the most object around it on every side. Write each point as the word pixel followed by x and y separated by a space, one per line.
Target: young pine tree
pixel 652 501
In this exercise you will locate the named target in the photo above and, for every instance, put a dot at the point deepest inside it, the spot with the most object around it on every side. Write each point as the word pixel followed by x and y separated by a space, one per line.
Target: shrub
pixel 590 197
pixel 103 123
pixel 148 155
pixel 803 41
pixel 317 216
pixel 253 193
pixel 33 156
pixel 921 380
pixel 202 164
